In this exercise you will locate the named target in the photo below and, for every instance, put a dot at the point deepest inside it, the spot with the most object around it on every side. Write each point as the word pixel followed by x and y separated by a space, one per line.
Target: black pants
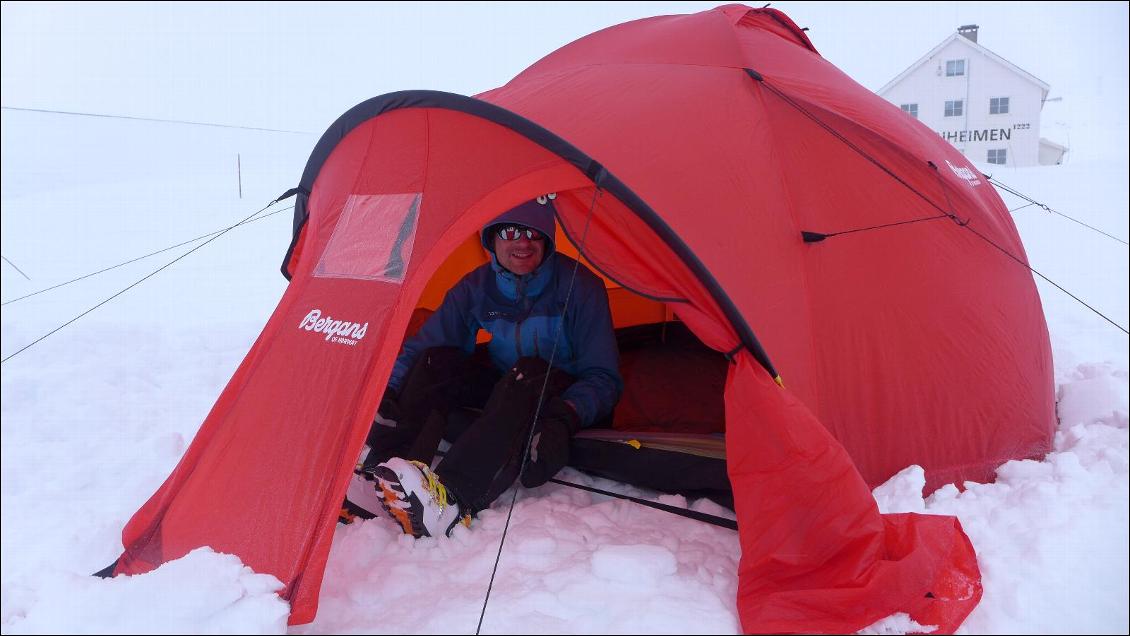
pixel 484 460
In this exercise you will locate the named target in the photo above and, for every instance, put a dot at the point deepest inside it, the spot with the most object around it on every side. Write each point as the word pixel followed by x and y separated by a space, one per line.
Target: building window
pixel 912 109
pixel 955 68
pixel 954 108
pixel 998 156
pixel 998 105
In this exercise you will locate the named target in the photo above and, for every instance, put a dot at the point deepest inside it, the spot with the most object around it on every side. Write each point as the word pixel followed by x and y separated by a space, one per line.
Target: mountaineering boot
pixel 363 498
pixel 416 499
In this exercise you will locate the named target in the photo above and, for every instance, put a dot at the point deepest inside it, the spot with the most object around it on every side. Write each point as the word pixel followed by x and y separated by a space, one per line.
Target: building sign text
pixel 987 134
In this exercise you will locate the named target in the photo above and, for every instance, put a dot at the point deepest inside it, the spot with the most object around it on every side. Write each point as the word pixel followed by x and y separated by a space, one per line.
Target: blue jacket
pixel 522 314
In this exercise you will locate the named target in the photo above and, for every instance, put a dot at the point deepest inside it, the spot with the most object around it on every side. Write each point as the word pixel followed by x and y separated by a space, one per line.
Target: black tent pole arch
pixel 597 173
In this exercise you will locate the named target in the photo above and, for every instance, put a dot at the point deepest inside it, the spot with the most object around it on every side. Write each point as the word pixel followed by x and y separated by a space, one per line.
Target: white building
pixel 980 102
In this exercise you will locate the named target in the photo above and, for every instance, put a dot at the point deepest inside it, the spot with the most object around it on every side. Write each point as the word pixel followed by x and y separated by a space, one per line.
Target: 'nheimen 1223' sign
pixel 987 134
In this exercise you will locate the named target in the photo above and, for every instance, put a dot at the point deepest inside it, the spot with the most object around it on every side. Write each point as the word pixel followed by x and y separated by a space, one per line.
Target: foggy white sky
pixel 299 66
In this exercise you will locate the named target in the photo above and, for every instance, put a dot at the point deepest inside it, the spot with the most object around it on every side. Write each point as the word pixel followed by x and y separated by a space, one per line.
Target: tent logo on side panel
pixel 337 331
pixel 965 173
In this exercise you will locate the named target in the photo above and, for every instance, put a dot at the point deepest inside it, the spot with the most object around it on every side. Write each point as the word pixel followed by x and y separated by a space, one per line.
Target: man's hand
pixel 549 451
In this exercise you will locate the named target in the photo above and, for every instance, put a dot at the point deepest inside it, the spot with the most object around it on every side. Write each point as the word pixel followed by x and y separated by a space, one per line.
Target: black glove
pixel 549 450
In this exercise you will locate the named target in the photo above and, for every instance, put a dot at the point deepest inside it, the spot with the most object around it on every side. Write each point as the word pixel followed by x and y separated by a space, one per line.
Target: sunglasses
pixel 515 232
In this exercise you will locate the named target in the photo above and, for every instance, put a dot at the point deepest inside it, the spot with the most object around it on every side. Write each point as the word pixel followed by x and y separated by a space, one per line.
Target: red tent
pixel 697 160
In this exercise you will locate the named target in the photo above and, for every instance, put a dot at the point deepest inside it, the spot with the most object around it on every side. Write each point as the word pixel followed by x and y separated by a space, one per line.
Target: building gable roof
pixel 1044 87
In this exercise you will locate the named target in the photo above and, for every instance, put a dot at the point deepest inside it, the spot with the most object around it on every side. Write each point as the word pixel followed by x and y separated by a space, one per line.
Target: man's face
pixel 522 255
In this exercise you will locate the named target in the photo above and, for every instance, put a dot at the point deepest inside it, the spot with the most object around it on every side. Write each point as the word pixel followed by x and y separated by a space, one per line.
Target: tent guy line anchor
pixel 816 237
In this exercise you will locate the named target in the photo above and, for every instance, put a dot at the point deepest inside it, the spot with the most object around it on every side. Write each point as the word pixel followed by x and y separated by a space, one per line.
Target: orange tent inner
pixel 628 307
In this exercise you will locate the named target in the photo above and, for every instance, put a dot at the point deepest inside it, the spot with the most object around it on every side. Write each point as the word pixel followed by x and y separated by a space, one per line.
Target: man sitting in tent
pixel 526 298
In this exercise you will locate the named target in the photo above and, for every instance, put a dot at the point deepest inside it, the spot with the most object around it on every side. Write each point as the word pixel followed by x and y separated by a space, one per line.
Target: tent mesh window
pixel 373 238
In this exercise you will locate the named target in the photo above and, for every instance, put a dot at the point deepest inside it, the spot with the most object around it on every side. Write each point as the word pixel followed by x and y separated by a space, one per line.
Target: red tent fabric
pixel 689 154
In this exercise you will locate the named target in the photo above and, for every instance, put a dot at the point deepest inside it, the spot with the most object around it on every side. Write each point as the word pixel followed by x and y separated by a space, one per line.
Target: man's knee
pixel 442 357
pixel 526 376
pixel 529 374
pixel 528 366
pixel 436 363
pixel 437 369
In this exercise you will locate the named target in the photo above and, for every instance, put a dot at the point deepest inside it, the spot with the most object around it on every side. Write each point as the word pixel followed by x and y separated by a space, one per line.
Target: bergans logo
pixel 965 173
pixel 337 331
